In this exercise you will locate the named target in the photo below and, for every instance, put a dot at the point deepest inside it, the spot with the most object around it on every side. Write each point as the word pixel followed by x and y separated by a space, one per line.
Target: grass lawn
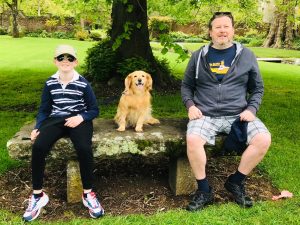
pixel 22 76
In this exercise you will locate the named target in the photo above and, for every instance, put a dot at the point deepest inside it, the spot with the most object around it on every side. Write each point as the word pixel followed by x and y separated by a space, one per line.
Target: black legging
pixel 53 129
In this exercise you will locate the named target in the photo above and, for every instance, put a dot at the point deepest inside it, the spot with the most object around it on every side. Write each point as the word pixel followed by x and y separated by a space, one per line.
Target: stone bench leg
pixel 181 177
pixel 74 185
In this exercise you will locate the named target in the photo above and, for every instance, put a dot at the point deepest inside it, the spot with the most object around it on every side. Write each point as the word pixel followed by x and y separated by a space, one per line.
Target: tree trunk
pixel 130 32
pixel 281 31
pixel 14 12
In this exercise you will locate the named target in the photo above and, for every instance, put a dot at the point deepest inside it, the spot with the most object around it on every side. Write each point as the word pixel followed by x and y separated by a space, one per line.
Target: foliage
pixel 182 37
pixel 159 25
pixel 100 61
pixel 256 42
pixel 89 10
pixel 164 65
pixel 3 31
pixel 81 35
pixel 51 23
pixel 53 7
pixel 128 28
pixel 131 64
pixel 296 44
pixel 167 43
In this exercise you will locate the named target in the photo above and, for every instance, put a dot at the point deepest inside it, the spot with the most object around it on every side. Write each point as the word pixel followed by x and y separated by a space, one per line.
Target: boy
pixel 68 106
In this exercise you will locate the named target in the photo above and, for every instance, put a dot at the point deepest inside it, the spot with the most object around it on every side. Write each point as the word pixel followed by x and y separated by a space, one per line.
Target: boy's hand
pixel 247 115
pixel 73 121
pixel 34 134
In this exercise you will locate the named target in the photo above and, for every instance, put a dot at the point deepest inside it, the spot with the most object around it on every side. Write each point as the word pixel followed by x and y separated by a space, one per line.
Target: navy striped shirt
pixel 58 100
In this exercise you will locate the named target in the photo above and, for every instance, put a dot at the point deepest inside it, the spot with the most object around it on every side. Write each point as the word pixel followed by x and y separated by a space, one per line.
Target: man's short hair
pixel 220 14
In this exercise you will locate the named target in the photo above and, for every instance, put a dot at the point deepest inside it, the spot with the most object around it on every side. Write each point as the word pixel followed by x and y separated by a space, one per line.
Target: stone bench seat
pixel 165 139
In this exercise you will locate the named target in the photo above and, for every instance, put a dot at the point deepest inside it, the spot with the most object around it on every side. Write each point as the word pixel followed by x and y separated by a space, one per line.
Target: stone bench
pixel 165 139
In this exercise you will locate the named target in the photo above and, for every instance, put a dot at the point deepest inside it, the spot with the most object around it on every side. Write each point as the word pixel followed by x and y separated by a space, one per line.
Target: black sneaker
pixel 239 194
pixel 200 199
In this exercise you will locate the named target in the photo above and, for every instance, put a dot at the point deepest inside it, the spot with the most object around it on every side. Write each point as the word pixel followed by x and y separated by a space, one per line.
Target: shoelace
pixel 92 200
pixel 198 196
pixel 32 202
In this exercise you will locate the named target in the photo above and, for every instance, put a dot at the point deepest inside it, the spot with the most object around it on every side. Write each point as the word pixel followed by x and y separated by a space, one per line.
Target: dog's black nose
pixel 139 80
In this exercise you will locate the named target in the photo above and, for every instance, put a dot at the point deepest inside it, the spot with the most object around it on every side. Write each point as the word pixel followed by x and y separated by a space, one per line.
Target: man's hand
pixel 247 115
pixel 34 134
pixel 73 121
pixel 194 113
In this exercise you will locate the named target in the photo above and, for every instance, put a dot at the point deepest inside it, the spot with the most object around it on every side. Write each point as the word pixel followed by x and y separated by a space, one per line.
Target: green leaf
pixel 138 25
pixel 129 8
pixel 164 51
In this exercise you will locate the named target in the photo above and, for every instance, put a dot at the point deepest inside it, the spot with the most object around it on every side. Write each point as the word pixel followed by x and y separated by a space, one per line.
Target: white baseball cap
pixel 65 49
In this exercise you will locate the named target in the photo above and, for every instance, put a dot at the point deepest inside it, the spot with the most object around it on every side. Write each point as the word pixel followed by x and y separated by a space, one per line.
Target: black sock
pixel 237 177
pixel 203 185
pixel 38 195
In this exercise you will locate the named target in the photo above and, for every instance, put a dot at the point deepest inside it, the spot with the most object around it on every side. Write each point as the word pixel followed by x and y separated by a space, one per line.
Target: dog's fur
pixel 134 108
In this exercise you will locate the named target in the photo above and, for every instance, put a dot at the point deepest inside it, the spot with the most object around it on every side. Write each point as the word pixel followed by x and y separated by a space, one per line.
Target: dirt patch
pixel 123 188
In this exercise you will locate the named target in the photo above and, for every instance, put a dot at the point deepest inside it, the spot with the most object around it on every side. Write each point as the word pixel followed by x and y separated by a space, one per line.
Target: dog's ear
pixel 149 82
pixel 127 82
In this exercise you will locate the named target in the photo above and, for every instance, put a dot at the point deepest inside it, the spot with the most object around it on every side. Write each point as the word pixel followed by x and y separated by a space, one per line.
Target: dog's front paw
pixel 153 121
pixel 139 129
pixel 121 129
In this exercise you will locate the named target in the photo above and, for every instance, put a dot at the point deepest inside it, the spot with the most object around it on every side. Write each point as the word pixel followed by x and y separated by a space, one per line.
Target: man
pixel 222 82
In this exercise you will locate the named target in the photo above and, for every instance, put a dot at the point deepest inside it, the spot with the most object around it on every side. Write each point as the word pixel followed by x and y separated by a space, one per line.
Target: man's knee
pixel 262 142
pixel 194 142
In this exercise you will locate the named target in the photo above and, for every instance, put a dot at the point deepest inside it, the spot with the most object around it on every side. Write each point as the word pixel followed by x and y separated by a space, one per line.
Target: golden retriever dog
pixel 134 108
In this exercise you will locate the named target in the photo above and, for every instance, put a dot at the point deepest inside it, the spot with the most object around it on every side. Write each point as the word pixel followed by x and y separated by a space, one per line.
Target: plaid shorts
pixel 209 127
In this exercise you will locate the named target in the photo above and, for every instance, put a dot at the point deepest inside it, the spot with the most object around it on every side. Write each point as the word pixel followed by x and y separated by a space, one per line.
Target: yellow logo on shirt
pixel 218 67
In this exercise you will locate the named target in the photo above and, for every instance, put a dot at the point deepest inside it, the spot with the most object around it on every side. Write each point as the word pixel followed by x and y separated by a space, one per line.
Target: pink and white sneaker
pixel 34 208
pixel 92 203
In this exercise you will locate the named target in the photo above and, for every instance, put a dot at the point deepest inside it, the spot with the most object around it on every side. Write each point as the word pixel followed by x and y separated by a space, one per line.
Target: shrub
pixel 95 36
pixel 3 31
pixel 51 24
pixel 100 61
pixel 256 42
pixel 131 64
pixel 178 36
pixel 98 35
pixel 243 40
pixel 62 35
pixel 194 40
pixel 296 44
pixel 81 35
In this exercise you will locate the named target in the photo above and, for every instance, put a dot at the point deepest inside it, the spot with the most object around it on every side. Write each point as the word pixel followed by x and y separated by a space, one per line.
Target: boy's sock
pixel 203 185
pixel 38 195
pixel 237 178
pixel 85 194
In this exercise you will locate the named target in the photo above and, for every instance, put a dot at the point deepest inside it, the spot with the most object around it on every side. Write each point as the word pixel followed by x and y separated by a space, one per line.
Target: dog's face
pixel 138 81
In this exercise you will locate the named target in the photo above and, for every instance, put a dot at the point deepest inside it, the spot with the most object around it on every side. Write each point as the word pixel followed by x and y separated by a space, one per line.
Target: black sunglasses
pixel 222 13
pixel 70 58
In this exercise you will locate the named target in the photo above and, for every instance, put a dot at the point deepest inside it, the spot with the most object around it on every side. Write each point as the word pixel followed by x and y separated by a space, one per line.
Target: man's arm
pixel 255 87
pixel 188 83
